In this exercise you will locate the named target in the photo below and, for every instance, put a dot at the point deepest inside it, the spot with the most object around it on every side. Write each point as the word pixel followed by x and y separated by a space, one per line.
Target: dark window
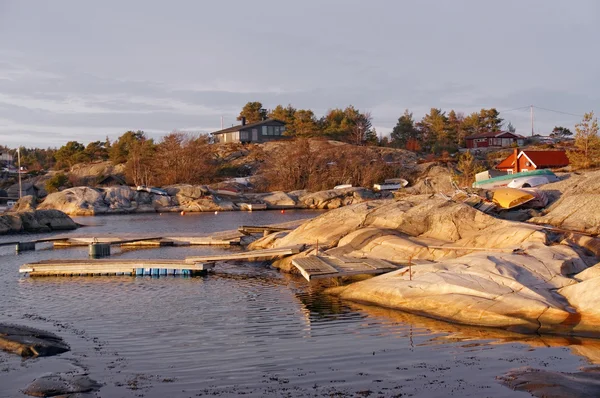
pixel 264 130
pixel 244 136
pixel 270 130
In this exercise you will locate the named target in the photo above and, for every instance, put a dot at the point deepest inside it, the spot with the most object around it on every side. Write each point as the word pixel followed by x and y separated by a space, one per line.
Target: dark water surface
pixel 249 330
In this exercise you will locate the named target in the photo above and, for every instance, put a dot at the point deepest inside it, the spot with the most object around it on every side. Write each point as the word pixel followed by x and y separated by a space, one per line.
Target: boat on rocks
pixel 504 180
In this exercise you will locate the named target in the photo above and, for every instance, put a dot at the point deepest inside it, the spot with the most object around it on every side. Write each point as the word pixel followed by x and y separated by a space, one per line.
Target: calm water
pixel 249 330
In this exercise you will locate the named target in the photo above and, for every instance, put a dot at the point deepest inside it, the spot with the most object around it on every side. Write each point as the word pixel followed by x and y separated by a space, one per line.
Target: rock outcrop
pixel 575 203
pixel 35 221
pixel 29 342
pixel 86 201
pixel 465 266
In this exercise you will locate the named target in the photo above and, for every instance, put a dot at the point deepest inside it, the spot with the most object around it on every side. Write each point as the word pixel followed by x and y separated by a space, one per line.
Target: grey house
pixel 265 130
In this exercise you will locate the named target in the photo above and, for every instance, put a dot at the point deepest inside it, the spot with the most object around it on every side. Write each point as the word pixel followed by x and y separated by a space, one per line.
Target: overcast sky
pixel 82 70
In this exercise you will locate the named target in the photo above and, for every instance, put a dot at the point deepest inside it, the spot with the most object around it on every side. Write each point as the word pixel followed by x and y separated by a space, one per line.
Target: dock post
pixel 97 250
pixel 25 246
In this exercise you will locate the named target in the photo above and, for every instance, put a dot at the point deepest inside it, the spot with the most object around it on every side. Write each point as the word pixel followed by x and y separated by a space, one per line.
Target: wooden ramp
pixel 313 267
pixel 113 267
pixel 252 255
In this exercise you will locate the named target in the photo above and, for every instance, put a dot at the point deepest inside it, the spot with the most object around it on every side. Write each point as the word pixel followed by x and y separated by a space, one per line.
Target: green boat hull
pixel 505 179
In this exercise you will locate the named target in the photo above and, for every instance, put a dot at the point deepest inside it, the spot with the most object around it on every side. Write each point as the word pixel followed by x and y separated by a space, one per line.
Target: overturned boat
pixel 504 180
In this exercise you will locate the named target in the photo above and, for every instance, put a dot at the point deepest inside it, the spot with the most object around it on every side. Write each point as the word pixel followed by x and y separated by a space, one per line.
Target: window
pixel 281 129
pixel 276 130
pixel 510 171
pixel 244 136
pixel 264 130
pixel 270 130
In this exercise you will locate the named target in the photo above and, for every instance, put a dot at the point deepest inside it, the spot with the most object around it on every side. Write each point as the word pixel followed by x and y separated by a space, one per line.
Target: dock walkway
pixel 326 266
pixel 113 267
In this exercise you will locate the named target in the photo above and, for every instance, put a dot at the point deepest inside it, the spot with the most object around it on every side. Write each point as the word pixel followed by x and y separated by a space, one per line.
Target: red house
pixel 493 139
pixel 533 160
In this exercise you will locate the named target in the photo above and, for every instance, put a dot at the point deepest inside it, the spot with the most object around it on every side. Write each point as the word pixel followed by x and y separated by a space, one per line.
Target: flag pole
pixel 19 172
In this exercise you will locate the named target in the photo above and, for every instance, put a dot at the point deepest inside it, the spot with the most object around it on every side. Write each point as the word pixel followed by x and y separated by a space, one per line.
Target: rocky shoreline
pixel 35 221
pixel 466 267
pixel 87 201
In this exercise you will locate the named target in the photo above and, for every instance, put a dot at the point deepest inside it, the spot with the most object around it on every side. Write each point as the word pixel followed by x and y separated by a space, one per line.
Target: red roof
pixel 548 158
pixel 507 163
pixel 541 159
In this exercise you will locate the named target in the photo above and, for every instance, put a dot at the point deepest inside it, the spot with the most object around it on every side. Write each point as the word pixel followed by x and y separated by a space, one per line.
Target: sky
pixel 84 71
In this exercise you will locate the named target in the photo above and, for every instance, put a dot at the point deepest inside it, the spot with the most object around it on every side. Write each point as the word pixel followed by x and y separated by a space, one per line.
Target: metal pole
pixel 531 114
pixel 19 172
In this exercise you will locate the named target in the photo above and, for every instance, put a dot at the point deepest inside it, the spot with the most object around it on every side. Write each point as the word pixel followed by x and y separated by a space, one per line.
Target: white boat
pixel 528 182
pixel 343 186
pixel 387 187
pixel 156 191
pixel 400 181
pixel 252 206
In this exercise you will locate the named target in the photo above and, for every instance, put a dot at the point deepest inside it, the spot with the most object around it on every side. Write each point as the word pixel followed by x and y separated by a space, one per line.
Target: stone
pixel 61 384
pixel 119 199
pixel 36 221
pixel 78 201
pixel 548 384
pixel 459 265
pixel 277 200
pixel 29 342
pixel 575 200
pixel 26 203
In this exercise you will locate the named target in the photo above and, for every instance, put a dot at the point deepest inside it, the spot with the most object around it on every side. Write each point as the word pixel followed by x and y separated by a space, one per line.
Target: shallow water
pixel 249 329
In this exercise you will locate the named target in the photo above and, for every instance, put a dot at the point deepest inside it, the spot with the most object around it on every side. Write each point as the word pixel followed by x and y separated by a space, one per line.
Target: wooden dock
pixel 113 267
pixel 324 266
pixel 252 255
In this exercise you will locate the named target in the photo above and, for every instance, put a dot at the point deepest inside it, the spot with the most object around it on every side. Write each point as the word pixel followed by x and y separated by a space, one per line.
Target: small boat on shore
pixel 252 206
pixel 391 184
pixel 504 180
pixel 156 191
pixel 508 198
pixel 528 182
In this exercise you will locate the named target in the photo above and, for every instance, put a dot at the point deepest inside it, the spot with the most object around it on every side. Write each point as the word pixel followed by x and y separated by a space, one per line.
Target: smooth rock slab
pixel 61 384
pixel 547 384
pixel 29 342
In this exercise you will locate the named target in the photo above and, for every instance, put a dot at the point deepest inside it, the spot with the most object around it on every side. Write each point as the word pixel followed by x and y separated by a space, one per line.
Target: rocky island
pixel 467 267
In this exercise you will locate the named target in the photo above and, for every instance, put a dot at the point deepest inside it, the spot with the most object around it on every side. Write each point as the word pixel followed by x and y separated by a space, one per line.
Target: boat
pixel 400 181
pixel 391 184
pixel 343 186
pixel 528 182
pixel 387 187
pixel 252 206
pixel 156 191
pixel 508 198
pixel 503 181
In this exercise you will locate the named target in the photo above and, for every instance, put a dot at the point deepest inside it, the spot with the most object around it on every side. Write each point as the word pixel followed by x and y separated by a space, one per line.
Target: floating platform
pixel 261 229
pixel 252 255
pixel 322 266
pixel 114 267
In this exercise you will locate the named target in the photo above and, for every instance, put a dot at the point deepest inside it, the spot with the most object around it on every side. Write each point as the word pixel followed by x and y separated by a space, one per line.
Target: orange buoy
pixel 282 211
pixel 216 212
pixel 182 213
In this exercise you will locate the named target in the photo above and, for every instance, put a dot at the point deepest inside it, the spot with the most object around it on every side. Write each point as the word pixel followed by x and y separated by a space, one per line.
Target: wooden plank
pixel 265 254
pixel 112 266
pixel 259 229
pixel 313 266
pixel 379 263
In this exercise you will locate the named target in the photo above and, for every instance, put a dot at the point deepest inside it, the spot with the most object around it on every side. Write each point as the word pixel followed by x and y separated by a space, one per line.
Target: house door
pixel 254 135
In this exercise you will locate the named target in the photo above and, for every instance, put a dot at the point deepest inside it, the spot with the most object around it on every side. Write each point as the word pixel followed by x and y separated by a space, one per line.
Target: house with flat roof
pixel 263 131
pixel 533 160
